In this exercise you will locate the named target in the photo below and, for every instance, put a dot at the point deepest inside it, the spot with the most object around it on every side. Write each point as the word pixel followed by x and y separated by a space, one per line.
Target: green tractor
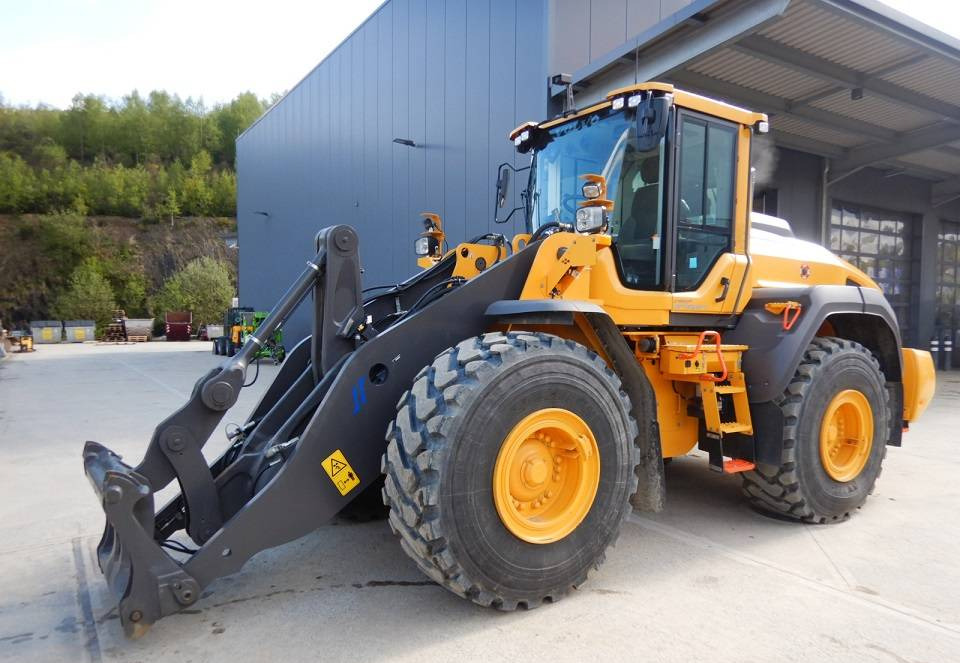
pixel 239 324
pixel 272 347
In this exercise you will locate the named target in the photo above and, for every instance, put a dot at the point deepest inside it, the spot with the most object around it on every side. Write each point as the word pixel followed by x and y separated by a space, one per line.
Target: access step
pixel 736 427
pixel 735 465
pixel 730 389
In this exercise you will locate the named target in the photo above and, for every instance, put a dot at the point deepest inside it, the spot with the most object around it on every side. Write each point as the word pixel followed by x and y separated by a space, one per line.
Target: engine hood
pixel 779 259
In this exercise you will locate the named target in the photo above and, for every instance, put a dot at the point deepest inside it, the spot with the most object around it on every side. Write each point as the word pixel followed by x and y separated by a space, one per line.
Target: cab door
pixel 706 267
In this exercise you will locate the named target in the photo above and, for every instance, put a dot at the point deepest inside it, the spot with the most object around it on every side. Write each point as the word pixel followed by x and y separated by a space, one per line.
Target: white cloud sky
pixel 52 49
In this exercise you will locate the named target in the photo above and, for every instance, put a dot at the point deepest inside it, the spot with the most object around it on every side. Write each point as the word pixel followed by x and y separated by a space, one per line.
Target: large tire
pixel 443 447
pixel 800 487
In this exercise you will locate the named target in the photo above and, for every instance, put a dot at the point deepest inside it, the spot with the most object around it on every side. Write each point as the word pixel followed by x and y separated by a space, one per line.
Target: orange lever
pixel 790 310
pixel 788 320
pixel 698 349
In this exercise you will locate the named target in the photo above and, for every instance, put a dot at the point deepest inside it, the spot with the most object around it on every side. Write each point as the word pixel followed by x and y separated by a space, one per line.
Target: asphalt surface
pixel 706 579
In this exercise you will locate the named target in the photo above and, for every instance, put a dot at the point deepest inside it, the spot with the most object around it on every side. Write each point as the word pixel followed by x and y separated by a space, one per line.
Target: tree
pixel 123 157
pixel 223 186
pixel 17 184
pixel 169 207
pixel 88 296
pixel 203 287
pixel 234 118
pixel 197 196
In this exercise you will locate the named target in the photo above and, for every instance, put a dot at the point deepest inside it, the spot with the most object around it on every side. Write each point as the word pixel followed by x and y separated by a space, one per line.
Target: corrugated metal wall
pixel 454 76
pixel 582 31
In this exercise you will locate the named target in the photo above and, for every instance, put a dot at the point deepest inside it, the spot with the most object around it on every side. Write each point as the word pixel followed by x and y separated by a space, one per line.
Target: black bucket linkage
pixel 312 444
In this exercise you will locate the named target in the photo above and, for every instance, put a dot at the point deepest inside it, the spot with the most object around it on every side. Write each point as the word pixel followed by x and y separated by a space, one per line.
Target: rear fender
pixel 858 314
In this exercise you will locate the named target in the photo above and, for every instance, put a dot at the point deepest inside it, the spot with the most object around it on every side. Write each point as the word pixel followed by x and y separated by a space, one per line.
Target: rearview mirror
pixel 503 185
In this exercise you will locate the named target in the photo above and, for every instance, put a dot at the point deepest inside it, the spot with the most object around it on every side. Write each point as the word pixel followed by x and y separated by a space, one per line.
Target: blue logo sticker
pixel 359 396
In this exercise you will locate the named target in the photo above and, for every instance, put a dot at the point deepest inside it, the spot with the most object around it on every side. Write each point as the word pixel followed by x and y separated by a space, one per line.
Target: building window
pixel 878 242
pixel 948 283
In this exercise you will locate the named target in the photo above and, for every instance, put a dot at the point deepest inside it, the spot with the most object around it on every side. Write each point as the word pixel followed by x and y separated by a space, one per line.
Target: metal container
pixel 178 326
pixel 46 331
pixel 139 329
pixel 78 331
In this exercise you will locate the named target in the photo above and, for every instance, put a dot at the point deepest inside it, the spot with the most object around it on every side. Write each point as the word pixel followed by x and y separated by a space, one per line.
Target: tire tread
pixel 416 445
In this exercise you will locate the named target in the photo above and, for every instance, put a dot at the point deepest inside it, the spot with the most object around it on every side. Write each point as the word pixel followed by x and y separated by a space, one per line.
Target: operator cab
pixel 669 160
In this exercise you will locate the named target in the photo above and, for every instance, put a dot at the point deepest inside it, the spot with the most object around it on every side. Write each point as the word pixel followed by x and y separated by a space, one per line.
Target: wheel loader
pixel 514 400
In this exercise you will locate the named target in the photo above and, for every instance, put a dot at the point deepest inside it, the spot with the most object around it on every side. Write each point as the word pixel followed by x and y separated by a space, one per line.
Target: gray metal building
pixel 864 155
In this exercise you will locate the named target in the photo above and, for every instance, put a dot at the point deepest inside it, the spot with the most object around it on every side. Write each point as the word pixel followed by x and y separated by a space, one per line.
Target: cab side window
pixel 706 198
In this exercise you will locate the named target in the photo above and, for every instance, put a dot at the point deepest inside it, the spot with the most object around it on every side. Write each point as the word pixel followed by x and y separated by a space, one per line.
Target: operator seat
pixel 644 219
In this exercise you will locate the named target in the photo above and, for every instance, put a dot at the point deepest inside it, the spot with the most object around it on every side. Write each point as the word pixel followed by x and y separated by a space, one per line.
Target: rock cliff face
pixel 37 254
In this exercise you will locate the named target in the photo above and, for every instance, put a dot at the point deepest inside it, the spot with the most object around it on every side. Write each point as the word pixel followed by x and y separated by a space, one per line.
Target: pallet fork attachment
pixel 329 405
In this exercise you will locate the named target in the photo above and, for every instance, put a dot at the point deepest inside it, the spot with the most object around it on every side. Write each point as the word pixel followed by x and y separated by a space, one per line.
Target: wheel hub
pixel 846 435
pixel 546 475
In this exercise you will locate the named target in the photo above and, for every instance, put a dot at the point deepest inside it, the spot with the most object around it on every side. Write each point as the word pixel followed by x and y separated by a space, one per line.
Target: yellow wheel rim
pixel 546 475
pixel 846 435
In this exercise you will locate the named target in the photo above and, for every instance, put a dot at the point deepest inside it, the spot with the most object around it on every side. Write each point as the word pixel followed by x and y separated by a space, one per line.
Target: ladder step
pixel 735 465
pixel 729 389
pixel 734 427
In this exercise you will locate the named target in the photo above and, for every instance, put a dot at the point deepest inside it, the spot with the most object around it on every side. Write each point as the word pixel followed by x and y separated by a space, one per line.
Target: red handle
pixel 699 348
pixel 788 320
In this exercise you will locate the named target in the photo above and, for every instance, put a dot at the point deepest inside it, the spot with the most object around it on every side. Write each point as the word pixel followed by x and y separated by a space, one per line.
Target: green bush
pixel 88 296
pixel 203 287
pixel 17 184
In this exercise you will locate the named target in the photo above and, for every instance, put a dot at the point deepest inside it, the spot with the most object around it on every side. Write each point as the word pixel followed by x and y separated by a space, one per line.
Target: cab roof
pixel 681 98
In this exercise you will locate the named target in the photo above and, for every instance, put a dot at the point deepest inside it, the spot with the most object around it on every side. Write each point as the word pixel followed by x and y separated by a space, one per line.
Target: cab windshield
pixel 605 143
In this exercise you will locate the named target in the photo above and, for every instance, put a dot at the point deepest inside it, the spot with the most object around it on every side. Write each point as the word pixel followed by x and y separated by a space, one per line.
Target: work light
pixel 591 219
pixel 422 247
pixel 591 190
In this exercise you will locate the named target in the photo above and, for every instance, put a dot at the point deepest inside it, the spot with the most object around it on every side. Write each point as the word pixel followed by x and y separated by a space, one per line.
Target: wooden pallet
pixel 138 339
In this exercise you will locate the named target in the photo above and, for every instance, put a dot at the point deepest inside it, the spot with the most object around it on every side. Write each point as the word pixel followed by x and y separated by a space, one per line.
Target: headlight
pixel 591 190
pixel 591 219
pixel 422 246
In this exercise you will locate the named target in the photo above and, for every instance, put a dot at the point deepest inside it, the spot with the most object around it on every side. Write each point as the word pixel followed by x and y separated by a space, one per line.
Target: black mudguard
pixel 858 314
pixel 775 353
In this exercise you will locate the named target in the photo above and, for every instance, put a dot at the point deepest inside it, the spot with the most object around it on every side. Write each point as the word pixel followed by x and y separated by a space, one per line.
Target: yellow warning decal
pixel 340 472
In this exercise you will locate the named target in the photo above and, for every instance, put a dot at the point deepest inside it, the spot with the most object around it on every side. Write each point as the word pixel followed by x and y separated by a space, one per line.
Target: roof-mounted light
pixel 617 103
pixel 761 127
pixel 634 100
pixel 522 137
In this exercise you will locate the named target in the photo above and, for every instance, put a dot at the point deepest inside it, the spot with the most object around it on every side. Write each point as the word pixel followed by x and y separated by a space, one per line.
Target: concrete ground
pixel 706 579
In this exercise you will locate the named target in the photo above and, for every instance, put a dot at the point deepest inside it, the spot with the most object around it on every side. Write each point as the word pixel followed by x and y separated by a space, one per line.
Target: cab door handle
pixel 725 282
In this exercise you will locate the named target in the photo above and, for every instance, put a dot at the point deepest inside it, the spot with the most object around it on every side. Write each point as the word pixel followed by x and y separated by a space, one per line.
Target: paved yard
pixel 707 579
